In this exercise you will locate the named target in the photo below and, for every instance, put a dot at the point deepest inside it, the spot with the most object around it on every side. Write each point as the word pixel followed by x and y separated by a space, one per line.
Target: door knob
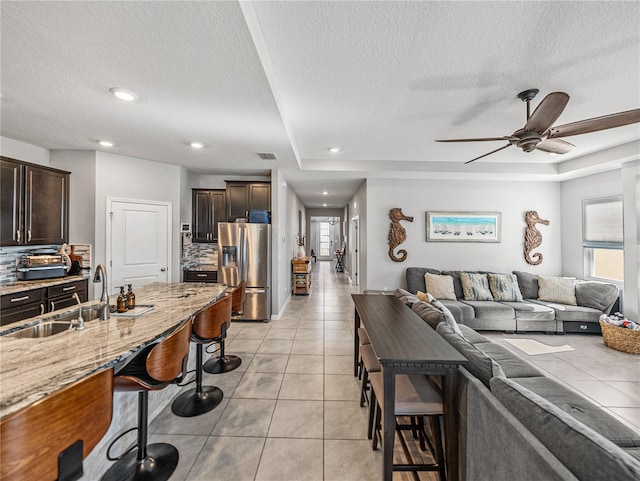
pixel 162 269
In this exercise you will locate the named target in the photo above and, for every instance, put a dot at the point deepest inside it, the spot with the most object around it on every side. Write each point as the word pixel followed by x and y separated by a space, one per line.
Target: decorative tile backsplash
pixel 195 254
pixel 10 255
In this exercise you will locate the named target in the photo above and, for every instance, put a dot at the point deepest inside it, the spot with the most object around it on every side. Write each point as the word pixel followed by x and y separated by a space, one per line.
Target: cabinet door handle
pixel 70 288
pixel 41 309
pixel 18 299
pixel 201 275
pixel 52 306
pixel 29 235
pixel 18 236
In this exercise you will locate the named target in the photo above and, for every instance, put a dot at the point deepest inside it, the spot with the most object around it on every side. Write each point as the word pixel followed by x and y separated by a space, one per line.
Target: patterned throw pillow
pixel 475 287
pixel 557 289
pixel 440 287
pixel 504 287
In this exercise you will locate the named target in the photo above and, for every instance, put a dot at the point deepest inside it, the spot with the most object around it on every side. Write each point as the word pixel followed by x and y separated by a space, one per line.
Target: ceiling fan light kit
pixel 538 133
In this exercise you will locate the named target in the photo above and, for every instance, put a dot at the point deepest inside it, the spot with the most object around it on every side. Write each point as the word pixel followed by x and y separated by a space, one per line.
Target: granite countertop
pixel 18 286
pixel 33 368
pixel 201 267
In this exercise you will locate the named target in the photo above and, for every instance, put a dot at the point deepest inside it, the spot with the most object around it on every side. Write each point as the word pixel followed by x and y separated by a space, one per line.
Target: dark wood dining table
pixel 405 344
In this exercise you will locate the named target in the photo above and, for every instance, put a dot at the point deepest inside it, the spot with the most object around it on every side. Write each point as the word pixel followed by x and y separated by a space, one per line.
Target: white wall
pixel 23 151
pixel 631 204
pixel 358 207
pixel 415 197
pixel 123 177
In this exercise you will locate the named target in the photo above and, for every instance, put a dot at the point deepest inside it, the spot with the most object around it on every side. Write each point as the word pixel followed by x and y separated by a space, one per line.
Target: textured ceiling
pixel 381 80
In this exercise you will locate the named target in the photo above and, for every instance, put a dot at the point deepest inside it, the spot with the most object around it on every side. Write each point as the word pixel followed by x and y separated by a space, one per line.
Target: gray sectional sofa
pixel 531 314
pixel 518 424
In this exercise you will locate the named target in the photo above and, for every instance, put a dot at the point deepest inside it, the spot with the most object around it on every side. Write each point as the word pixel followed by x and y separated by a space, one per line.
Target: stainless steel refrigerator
pixel 244 253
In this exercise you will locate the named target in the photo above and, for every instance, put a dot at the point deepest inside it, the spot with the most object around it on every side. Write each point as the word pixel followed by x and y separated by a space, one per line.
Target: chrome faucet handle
pixel 80 320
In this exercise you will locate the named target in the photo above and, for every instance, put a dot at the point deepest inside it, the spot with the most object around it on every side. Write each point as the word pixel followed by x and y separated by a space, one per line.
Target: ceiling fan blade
pixel 555 146
pixel 492 152
pixel 595 124
pixel 547 112
pixel 481 139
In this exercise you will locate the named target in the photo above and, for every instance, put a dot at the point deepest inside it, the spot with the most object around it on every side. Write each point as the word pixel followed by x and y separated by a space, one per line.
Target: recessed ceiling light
pixel 197 145
pixel 324 205
pixel 105 143
pixel 334 150
pixel 123 94
pixel 324 192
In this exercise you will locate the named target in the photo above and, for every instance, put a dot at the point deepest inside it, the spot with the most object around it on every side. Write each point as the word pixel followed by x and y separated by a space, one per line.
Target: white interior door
pixel 139 235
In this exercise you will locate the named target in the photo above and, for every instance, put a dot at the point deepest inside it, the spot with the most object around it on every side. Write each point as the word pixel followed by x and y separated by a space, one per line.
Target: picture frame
pixel 458 226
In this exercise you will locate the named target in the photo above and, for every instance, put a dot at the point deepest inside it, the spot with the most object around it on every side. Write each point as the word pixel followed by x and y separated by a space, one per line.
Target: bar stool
pixel 363 338
pixel 153 368
pixel 370 363
pixel 225 362
pixel 415 397
pixel 207 326
pixel 49 439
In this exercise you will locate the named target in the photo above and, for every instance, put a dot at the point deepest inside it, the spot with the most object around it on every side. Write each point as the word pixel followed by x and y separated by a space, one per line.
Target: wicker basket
pixel 620 338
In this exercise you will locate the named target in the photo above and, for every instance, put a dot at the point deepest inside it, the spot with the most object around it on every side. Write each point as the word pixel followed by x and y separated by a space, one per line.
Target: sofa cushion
pixel 572 313
pixel 461 312
pixel 582 409
pixel 457 284
pixel 439 286
pixel 471 335
pixel 528 284
pixel 504 287
pixel 479 364
pixel 428 313
pixel 491 310
pixel 532 311
pixel 586 453
pixel 475 287
pixel 557 289
pixel 597 295
pixel 511 364
pixel 415 278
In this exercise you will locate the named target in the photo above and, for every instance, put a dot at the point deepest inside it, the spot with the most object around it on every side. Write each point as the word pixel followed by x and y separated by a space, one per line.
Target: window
pixel 603 238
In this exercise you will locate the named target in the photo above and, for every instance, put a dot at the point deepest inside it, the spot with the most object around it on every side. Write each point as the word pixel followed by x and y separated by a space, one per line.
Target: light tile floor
pixel 291 412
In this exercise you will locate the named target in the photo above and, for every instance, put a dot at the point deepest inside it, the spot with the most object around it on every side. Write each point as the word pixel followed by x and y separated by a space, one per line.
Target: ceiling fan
pixel 538 133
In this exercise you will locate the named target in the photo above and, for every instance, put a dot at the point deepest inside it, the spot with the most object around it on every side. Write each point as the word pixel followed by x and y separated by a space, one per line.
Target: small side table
pixel 301 282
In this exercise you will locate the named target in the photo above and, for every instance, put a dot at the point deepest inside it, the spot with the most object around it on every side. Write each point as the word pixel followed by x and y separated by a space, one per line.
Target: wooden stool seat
pixel 49 439
pixel 370 363
pixel 153 368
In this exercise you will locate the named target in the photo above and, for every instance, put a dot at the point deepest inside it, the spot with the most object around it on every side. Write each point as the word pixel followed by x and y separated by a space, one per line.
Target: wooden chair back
pixel 32 438
pixel 208 323
pixel 168 358
pixel 237 296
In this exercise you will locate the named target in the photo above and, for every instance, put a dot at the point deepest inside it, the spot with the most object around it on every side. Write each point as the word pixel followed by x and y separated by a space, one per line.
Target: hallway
pixel 291 411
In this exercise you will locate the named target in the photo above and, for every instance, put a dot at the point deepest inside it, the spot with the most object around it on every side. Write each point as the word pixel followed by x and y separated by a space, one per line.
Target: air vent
pixel 267 155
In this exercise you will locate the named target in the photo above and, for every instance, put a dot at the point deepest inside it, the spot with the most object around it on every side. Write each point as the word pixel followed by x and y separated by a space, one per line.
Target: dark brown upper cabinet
pixel 209 208
pixel 35 204
pixel 244 196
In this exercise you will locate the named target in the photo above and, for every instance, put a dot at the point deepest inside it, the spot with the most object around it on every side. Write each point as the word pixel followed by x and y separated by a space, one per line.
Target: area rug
pixel 533 347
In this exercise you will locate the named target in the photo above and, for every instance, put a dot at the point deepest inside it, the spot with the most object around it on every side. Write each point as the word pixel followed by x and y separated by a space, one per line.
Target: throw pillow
pixel 428 313
pixel 424 296
pixel 528 284
pixel 504 287
pixel 448 317
pixel 405 296
pixel 440 287
pixel 557 289
pixel 475 287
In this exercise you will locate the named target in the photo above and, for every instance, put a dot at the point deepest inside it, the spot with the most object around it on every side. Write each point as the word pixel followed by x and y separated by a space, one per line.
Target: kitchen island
pixel 32 368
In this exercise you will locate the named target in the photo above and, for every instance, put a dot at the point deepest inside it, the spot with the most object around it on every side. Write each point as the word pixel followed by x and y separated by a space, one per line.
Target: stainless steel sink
pixel 55 324
pixel 43 329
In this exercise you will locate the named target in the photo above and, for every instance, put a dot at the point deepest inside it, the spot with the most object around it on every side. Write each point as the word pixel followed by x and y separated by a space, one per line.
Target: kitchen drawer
pixel 68 289
pixel 200 276
pixel 16 314
pixel 9 301
pixel 66 301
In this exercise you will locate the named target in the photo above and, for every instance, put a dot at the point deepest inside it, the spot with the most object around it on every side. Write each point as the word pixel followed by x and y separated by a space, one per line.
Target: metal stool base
pixel 193 403
pixel 220 365
pixel 159 465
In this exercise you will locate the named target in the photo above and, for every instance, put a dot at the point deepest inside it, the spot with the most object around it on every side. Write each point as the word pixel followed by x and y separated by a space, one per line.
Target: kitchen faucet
pixel 101 276
pixel 80 321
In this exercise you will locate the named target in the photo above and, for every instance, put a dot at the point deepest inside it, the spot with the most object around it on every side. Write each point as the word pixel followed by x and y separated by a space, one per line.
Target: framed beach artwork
pixel 448 226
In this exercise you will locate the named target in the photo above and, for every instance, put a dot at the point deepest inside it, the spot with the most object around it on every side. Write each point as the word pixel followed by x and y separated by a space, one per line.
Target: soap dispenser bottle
pixel 122 300
pixel 131 298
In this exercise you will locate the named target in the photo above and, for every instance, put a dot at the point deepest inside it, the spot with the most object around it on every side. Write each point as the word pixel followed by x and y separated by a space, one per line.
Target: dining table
pixel 405 344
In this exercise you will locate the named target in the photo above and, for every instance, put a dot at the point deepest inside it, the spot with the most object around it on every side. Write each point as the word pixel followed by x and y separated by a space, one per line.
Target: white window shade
pixel 602 225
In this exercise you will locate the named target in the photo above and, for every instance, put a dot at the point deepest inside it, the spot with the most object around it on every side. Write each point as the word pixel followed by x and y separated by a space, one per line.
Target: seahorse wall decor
pixel 532 237
pixel 397 234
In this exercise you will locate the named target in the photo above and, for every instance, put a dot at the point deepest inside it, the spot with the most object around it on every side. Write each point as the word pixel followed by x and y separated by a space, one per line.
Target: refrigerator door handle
pixel 255 291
